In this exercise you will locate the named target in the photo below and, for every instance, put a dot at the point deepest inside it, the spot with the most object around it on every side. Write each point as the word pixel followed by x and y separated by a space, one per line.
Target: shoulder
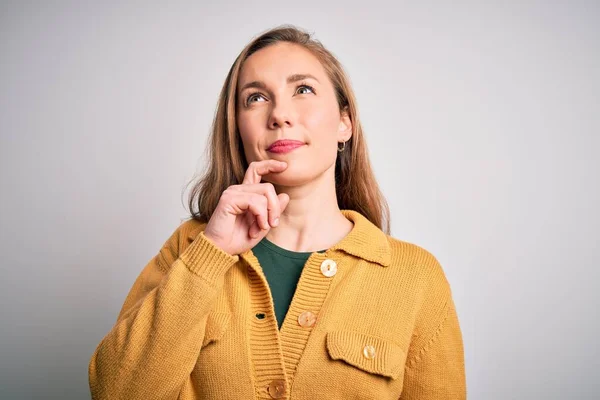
pixel 419 265
pixel 190 228
pixel 178 241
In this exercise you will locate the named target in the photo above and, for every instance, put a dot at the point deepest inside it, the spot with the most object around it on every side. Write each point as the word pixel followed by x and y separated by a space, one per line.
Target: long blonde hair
pixel 355 182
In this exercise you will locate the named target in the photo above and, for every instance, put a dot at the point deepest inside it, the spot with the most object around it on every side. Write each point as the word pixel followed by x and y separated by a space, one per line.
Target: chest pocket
pixel 372 354
pixel 216 325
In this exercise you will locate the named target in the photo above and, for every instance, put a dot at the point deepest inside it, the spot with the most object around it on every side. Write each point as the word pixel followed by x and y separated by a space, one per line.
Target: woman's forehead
pixel 275 63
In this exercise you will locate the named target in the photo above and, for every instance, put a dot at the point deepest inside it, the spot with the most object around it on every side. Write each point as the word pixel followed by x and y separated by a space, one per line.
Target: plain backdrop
pixel 482 120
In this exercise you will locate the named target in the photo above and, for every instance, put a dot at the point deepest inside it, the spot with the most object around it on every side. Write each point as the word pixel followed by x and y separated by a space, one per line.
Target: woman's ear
pixel 345 127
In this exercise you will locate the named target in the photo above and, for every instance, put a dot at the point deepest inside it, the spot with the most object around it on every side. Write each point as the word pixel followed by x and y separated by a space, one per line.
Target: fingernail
pixel 276 222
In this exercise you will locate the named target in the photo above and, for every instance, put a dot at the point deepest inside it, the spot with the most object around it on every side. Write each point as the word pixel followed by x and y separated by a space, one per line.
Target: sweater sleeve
pixel 437 371
pixel 435 368
pixel 156 340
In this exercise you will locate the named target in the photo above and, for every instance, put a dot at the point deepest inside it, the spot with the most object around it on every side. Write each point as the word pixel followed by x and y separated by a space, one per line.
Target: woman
pixel 285 283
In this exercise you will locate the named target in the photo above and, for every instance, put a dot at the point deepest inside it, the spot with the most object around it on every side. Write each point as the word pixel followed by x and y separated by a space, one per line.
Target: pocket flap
pixel 370 353
pixel 216 325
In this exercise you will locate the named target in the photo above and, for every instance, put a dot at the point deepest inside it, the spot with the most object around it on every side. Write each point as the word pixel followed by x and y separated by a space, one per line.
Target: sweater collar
pixel 365 240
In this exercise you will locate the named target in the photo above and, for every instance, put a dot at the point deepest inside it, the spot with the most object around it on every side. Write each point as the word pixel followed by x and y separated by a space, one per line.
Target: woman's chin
pixel 288 178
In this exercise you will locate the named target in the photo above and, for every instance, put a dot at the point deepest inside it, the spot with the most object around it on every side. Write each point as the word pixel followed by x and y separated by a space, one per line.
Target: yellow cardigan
pixel 371 318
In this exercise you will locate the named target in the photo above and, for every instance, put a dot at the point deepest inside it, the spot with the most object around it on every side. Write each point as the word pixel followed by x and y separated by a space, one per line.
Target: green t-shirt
pixel 282 268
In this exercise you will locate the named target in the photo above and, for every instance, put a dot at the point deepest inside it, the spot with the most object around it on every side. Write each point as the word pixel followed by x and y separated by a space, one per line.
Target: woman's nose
pixel 280 116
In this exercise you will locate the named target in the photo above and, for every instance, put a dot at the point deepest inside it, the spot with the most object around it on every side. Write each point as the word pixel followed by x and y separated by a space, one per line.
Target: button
pixel 277 388
pixel 307 319
pixel 328 268
pixel 369 351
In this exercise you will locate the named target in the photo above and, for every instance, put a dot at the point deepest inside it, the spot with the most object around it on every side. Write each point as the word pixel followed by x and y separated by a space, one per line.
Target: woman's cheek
pixel 248 128
pixel 313 114
pixel 321 118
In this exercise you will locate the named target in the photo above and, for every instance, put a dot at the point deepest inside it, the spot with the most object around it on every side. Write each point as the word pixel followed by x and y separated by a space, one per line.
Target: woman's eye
pixel 305 87
pixel 253 97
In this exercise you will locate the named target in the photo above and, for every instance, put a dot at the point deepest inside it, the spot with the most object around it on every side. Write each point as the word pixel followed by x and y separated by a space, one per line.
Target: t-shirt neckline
pixel 285 252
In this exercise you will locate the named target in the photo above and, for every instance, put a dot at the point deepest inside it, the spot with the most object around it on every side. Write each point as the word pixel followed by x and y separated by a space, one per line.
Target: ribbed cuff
pixel 206 259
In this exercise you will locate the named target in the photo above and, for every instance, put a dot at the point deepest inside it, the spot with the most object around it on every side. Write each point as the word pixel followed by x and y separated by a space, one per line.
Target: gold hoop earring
pixel 340 149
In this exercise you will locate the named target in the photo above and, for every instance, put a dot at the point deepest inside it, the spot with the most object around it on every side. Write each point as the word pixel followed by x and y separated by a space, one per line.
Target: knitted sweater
pixel 371 318
pixel 282 269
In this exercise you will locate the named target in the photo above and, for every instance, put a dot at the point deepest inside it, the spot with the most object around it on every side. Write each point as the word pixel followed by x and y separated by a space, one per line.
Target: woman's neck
pixel 312 220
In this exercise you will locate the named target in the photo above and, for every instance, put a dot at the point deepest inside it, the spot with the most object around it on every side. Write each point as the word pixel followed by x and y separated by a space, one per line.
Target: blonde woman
pixel 285 283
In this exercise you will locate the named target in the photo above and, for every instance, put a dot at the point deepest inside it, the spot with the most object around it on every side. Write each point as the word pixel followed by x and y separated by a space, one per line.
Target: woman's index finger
pixel 256 170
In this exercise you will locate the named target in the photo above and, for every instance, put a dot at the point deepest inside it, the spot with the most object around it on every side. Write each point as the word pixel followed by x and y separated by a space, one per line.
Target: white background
pixel 482 120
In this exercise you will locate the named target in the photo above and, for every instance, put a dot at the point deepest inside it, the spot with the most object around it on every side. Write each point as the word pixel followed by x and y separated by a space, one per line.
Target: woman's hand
pixel 245 213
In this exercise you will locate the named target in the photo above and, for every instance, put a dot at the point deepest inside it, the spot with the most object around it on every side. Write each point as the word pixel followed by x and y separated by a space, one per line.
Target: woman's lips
pixel 284 146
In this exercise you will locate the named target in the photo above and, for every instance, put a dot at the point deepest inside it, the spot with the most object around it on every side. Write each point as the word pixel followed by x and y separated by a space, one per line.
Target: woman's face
pixel 285 94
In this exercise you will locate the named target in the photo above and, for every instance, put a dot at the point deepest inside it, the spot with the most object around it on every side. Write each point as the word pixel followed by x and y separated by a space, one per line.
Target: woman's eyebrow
pixel 253 84
pixel 290 79
pixel 300 77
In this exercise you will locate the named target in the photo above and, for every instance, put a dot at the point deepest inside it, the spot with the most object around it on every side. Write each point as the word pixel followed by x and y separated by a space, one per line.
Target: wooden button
pixel 369 351
pixel 307 319
pixel 277 388
pixel 328 268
